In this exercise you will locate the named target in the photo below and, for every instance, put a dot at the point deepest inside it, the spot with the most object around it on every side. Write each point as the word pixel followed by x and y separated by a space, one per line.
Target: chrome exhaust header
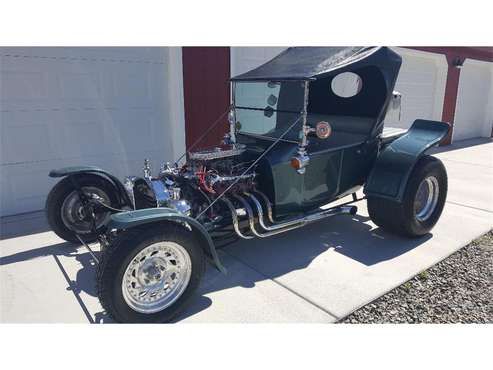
pixel 234 217
pixel 251 221
pixel 277 227
pixel 305 219
pixel 267 205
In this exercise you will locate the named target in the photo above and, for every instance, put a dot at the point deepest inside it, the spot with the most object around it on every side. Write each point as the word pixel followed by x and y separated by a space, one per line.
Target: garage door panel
pixel 121 132
pixel 139 91
pixel 22 85
pixel 473 114
pixel 24 187
pixel 79 86
pixel 76 106
pixel 26 142
pixel 28 135
pixel 138 134
pixel 421 82
pixel 416 78
pixel 82 139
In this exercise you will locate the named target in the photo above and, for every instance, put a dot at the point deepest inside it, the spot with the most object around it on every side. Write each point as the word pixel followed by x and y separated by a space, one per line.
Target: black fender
pixel 75 171
pixel 394 164
pixel 129 219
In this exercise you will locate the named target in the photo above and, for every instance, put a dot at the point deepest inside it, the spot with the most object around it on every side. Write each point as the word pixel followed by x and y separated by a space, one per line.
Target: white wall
pixel 109 107
pixel 474 109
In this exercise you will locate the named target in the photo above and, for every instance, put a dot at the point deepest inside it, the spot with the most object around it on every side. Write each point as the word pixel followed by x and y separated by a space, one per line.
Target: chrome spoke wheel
pixel 426 198
pixel 73 213
pixel 156 277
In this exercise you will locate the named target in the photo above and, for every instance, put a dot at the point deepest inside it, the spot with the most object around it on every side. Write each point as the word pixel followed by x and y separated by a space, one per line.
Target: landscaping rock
pixel 457 290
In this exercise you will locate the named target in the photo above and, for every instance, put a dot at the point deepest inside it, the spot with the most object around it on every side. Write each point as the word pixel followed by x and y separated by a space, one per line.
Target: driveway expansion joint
pixel 465 205
pixel 274 280
pixel 463 162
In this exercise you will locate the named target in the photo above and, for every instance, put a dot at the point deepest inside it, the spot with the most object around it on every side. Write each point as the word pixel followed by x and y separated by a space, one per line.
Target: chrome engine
pixel 193 186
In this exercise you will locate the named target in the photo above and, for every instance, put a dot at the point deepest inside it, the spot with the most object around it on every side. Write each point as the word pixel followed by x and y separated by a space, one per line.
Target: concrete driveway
pixel 317 274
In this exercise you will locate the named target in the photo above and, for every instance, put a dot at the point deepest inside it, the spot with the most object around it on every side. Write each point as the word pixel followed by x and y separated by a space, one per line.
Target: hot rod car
pixel 305 130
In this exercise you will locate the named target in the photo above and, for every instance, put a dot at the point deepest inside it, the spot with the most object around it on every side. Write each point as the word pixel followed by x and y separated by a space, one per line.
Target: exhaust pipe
pixel 343 210
pixel 275 227
pixel 234 217
pixel 251 221
pixel 267 205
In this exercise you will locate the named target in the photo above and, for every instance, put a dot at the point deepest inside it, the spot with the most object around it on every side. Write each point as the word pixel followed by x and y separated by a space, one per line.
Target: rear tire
pixel 133 289
pixel 56 203
pixel 422 204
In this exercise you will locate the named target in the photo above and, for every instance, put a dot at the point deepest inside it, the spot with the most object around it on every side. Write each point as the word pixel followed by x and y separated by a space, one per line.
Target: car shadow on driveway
pixel 248 262
pixel 366 245
pixel 84 280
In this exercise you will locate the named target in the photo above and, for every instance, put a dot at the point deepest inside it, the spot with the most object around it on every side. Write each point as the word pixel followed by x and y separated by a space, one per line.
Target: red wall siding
pixel 206 73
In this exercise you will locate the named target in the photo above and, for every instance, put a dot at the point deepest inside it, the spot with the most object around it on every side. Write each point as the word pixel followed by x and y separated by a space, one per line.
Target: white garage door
pixel 106 107
pixel 421 82
pixel 474 109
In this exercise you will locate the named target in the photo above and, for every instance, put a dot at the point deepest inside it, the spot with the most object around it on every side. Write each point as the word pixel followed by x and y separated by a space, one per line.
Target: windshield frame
pixel 303 112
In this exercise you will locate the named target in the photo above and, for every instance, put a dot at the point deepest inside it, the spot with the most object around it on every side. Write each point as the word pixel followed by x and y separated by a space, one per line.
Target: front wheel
pixel 149 274
pixel 422 204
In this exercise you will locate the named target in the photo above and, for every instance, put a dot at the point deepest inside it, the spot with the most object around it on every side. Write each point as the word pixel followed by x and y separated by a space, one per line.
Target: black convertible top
pixel 312 63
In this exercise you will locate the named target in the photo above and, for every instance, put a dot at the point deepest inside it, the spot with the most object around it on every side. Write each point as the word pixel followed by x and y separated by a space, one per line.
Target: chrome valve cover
pixel 222 151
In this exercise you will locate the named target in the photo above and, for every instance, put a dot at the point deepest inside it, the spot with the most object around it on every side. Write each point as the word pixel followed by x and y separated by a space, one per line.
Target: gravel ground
pixel 457 290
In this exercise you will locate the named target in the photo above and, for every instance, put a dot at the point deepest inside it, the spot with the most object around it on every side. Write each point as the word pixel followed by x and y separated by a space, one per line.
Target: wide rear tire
pixel 422 204
pixel 149 274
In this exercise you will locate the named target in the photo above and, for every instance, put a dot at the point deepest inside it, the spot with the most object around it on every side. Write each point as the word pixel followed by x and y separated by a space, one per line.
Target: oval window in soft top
pixel 346 84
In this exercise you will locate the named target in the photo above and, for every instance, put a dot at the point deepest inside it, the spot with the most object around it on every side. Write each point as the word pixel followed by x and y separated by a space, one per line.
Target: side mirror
pixel 323 130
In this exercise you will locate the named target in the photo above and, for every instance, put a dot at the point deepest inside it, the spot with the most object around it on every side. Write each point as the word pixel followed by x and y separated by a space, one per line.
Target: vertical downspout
pixel 176 101
pixel 450 98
